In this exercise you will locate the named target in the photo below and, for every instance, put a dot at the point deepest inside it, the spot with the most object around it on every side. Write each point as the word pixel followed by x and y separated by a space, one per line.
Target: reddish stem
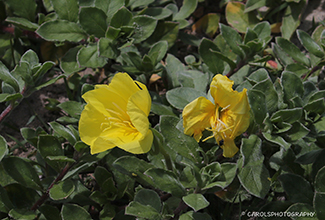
pixel 43 198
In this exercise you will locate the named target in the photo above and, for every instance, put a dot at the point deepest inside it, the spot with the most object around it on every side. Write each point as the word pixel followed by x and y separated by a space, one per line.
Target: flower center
pixel 221 124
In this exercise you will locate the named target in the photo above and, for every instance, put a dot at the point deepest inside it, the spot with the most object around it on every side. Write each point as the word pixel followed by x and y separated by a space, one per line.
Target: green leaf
pixel 31 58
pixel 27 196
pixel 61 30
pixel 258 105
pixel 64 159
pixel 287 115
pixel 233 39
pixel 22 214
pixel 319 193
pixel 42 70
pixel 122 17
pixel 166 181
pixel 50 212
pixel 66 10
pixel 297 132
pixel 158 13
pixel 139 4
pixel 25 9
pixel 50 146
pixel 79 168
pixel 69 62
pixel 304 211
pixel 158 51
pixel 178 143
pixel 276 140
pixel 3 147
pixel 196 201
pixel 72 108
pixel 107 48
pixel 101 175
pixel 319 200
pixel 320 181
pixel 291 18
pixel 292 50
pixel 134 167
pixel 297 68
pixel 284 58
pixel 72 211
pixel 297 188
pixel 93 21
pixel 165 31
pixel 207 50
pixel 141 211
pixel 5 203
pixel 22 23
pixel 4 97
pixel 238 18
pixel 253 175
pixel 195 216
pixel 262 29
pixel 180 97
pixel 62 190
pixel 173 66
pixel 89 57
pixel 251 151
pixel 144 26
pixel 310 45
pixel 161 109
pixel 6 77
pixel 292 86
pixel 254 4
pixel 186 10
pixel 22 171
pixel 271 96
pixel 62 131
pixel 148 197
pixel 49 82
pixel 220 56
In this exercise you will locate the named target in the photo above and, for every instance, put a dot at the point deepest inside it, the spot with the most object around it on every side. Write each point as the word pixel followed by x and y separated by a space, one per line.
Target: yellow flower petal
pixel 141 146
pixel 124 85
pixel 138 109
pixel 107 102
pixel 196 117
pixel 222 92
pixel 229 148
pixel 90 124
pixel 101 145
pixel 242 106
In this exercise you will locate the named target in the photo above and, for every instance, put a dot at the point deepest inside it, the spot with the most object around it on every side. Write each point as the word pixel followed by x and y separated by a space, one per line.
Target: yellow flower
pixel 117 115
pixel 227 117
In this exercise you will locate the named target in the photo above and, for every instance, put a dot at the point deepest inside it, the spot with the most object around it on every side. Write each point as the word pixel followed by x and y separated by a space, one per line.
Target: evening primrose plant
pixel 167 110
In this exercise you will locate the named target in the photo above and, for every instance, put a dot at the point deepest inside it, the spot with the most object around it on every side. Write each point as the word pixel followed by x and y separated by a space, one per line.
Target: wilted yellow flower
pixel 227 117
pixel 117 115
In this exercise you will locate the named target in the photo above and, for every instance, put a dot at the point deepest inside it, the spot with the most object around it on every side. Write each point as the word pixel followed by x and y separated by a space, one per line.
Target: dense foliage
pixel 175 48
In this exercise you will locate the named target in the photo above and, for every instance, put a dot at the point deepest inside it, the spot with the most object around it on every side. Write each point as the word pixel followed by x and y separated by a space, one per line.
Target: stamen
pixel 225 108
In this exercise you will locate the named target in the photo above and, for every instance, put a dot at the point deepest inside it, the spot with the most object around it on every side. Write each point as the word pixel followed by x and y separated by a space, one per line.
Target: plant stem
pixel 314 69
pixel 6 111
pixel 11 106
pixel 43 198
pixel 239 65
pixel 182 206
